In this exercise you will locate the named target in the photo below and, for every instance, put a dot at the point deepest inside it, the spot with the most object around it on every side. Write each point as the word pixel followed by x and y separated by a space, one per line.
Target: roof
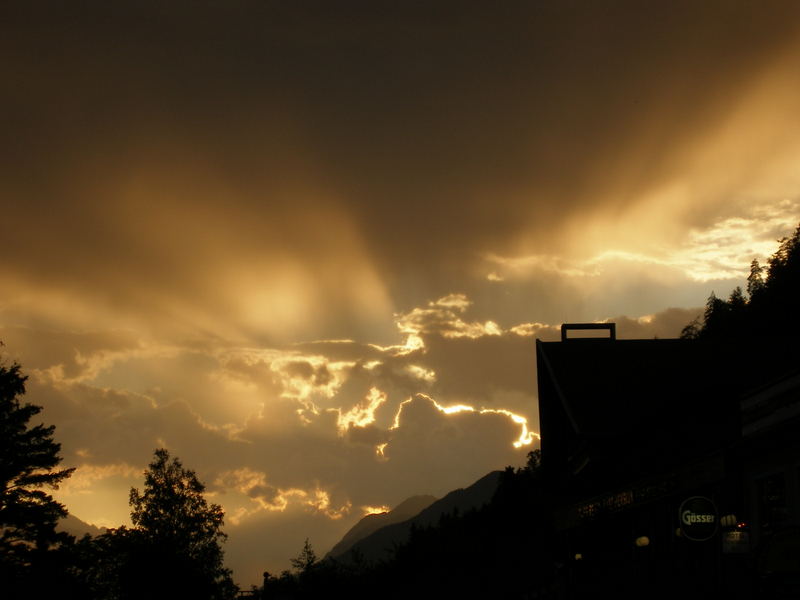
pixel 611 387
pixel 614 409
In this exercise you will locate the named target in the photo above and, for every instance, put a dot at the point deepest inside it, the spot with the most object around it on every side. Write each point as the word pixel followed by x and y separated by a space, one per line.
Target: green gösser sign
pixel 698 518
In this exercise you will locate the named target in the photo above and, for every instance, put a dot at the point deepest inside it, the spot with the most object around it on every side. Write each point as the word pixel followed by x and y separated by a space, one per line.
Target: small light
pixel 642 541
pixel 578 556
pixel 741 525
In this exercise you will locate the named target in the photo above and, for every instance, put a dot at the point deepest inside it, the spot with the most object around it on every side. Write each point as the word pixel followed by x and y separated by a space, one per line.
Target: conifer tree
pixel 28 461
pixel 306 560
pixel 769 314
pixel 755 280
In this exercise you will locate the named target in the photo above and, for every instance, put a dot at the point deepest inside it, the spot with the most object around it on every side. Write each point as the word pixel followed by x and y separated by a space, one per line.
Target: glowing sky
pixel 308 246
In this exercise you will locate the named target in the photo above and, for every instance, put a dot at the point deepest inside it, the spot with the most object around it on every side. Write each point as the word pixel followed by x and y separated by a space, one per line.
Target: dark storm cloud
pixel 439 130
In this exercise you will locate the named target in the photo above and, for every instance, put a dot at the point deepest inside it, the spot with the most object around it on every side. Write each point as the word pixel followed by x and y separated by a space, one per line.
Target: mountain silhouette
pixel 377 545
pixel 407 509
pixel 74 526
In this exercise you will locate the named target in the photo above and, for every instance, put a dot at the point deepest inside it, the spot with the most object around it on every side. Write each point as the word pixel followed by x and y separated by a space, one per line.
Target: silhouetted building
pixel 769 454
pixel 664 472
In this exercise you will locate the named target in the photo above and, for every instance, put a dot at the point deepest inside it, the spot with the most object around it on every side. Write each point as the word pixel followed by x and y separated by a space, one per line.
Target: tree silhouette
pixel 768 313
pixel 306 560
pixel 755 280
pixel 179 531
pixel 28 461
pixel 173 549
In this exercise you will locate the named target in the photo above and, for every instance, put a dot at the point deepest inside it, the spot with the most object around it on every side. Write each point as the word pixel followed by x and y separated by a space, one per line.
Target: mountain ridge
pixel 75 526
pixel 376 545
pixel 407 509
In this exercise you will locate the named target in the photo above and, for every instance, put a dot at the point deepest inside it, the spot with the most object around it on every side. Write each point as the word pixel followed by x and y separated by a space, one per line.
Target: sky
pixel 308 246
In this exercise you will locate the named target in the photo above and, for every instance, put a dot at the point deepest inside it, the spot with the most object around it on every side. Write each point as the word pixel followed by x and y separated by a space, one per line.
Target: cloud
pixel 73 355
pixel 720 250
pixel 331 198
pixel 443 318
pixel 258 236
pixel 265 497
pixel 362 414
pixel 665 324
pixel 526 436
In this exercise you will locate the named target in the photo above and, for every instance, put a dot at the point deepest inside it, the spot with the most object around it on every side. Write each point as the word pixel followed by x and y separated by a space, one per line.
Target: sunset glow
pixel 309 250
pixel 362 414
pixel 526 437
pixel 375 510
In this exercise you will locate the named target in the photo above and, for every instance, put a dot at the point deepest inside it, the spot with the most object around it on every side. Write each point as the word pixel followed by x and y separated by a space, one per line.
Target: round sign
pixel 698 518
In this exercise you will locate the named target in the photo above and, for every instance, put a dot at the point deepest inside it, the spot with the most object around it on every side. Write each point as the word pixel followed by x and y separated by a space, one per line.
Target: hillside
pixel 407 509
pixel 74 526
pixel 378 545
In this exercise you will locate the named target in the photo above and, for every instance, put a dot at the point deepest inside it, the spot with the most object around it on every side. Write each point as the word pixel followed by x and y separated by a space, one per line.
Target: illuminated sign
pixel 698 518
pixel 736 542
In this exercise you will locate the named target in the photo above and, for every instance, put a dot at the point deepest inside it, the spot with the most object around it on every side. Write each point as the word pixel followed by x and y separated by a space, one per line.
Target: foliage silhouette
pixel 498 551
pixel 768 310
pixel 306 560
pixel 173 549
pixel 28 514
pixel 755 280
